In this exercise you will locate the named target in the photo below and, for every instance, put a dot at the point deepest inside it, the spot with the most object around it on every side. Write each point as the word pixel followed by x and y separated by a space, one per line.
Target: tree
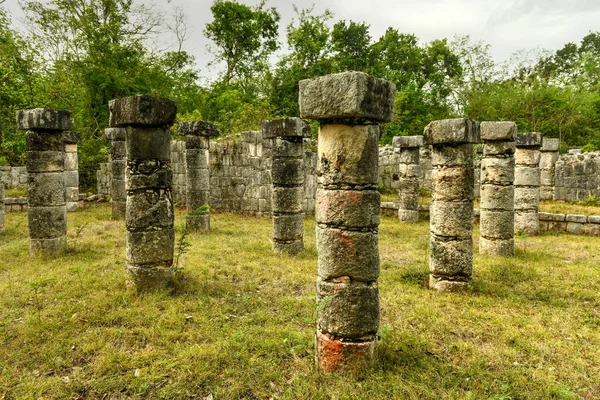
pixel 351 45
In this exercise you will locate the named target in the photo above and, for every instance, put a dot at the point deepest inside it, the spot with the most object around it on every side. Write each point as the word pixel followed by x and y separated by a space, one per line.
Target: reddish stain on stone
pixel 334 355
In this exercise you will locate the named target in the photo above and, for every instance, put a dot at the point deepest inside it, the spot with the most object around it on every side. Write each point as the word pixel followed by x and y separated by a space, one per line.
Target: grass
pixel 240 321
pixel 14 192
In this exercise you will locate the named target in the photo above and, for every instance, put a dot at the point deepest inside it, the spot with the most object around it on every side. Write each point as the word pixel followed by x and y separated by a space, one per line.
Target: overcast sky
pixel 507 25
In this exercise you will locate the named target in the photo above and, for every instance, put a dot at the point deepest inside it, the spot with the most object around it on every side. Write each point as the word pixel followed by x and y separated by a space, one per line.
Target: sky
pixel 506 25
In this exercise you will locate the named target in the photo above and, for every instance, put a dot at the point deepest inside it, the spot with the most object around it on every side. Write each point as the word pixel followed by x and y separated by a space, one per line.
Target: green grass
pixel 15 192
pixel 240 322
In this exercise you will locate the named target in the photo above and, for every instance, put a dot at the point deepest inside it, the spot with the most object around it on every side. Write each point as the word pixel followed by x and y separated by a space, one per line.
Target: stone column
pixel 71 170
pixel 118 194
pixel 287 173
pixel 2 209
pixel 197 144
pixel 548 158
pixel 527 183
pixel 451 212
pixel 497 214
pixel 348 105
pixel 45 160
pixel 409 171
pixel 148 181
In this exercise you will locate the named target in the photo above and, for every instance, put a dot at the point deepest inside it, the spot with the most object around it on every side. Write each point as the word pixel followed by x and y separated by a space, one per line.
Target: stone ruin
pixel 408 148
pixel 287 175
pixel 118 194
pixel 548 158
pixel 45 146
pixel 348 105
pixel 197 135
pixel 70 140
pixel 497 191
pixel 527 182
pixel 148 179
pixel 451 212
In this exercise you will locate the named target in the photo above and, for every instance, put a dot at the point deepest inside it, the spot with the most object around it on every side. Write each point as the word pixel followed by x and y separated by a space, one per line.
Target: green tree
pixel 351 44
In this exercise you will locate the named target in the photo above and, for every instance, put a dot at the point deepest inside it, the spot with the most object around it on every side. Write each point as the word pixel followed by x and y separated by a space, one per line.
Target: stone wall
pixel 572 223
pixel 104 179
pixel 15 177
pixel 178 165
pixel 388 168
pixel 576 176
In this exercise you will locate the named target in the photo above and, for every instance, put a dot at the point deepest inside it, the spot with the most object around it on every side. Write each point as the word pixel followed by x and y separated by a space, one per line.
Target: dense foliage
pixel 79 55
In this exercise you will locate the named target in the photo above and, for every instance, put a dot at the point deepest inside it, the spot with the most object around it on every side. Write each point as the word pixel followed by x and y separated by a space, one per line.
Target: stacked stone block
pixel 408 148
pixel 548 158
pixel 287 173
pixel 497 209
pixel 527 182
pixel 451 211
pixel 179 167
pixel 118 162
pixel 197 135
pixel 348 105
pixel 148 181
pixel 45 159
pixel 71 170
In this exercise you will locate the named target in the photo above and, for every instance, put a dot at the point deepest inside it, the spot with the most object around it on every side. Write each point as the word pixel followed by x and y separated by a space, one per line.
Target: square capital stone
pixel 498 130
pixel 118 134
pixel 403 142
pixel 550 144
pixel 141 110
pixel 347 95
pixel 197 128
pixel 452 131
pixel 70 137
pixel 531 139
pixel 43 119
pixel 286 128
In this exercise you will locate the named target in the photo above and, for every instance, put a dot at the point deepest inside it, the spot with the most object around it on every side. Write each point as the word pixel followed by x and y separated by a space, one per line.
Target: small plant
pixel 77 271
pixel 588 148
pixel 183 247
pixel 36 287
pixel 202 210
pixel 10 287
pixel 591 201
pixel 77 235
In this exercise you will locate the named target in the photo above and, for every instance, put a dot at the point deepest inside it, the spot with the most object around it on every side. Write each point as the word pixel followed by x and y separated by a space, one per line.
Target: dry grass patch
pixel 240 320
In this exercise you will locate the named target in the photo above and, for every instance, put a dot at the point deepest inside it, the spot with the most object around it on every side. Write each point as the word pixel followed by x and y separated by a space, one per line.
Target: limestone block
pixel 403 142
pixel 499 149
pixel 496 224
pixel 347 253
pixel 71 178
pixel 48 245
pixel 550 144
pixel 576 218
pixel 42 119
pixel 291 247
pixel 149 209
pixel 47 222
pixel 118 150
pixel 494 131
pixel 142 110
pixel 287 199
pixel 350 95
pixel 499 171
pixel 527 222
pixel 527 198
pixel 591 229
pixel 198 178
pixel 348 154
pixel 594 219
pixel 150 247
pixel 453 183
pixel 288 227
pixel 197 128
pixel 45 161
pixel 453 156
pixel 451 219
pixel 161 178
pixel 287 148
pixel 408 170
pixel 575 228
pixel 285 128
pixel 148 143
pixel 115 134
pixel 527 176
pixel 408 202
pixel 532 139
pixel 118 169
pixel 348 208
pixel 352 309
pixel 196 223
pixel 452 131
pixel 496 197
pixel 71 162
pixel 409 156
pixel 46 189
pixel 497 247
pixel 44 141
pixel 527 156
pixel 287 171
pixel 71 138
pixel 406 215
pixel 451 258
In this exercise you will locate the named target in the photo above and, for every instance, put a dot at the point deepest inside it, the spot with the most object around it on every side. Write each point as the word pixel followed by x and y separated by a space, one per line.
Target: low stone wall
pixel 572 223
pixel 576 177
pixel 15 177
pixel 104 179
pixel 15 204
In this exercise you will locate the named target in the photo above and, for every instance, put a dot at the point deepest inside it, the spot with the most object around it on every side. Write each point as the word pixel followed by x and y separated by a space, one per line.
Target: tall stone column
pixel 451 212
pixel 527 183
pixel 148 181
pixel 118 194
pixel 548 158
pixel 71 170
pixel 197 144
pixel 408 192
pixel 45 160
pixel 497 215
pixel 287 173
pixel 348 105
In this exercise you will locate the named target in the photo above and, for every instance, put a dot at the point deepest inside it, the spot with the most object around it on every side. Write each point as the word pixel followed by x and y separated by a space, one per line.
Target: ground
pixel 240 321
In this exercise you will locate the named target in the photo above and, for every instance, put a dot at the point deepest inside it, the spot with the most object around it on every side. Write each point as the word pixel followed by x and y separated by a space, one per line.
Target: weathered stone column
pixel 2 209
pixel 497 215
pixel 287 173
pixel 71 170
pixel 409 170
pixel 348 105
pixel 197 144
pixel 118 162
pixel 527 183
pixel 451 213
pixel 45 162
pixel 548 158
pixel 148 181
